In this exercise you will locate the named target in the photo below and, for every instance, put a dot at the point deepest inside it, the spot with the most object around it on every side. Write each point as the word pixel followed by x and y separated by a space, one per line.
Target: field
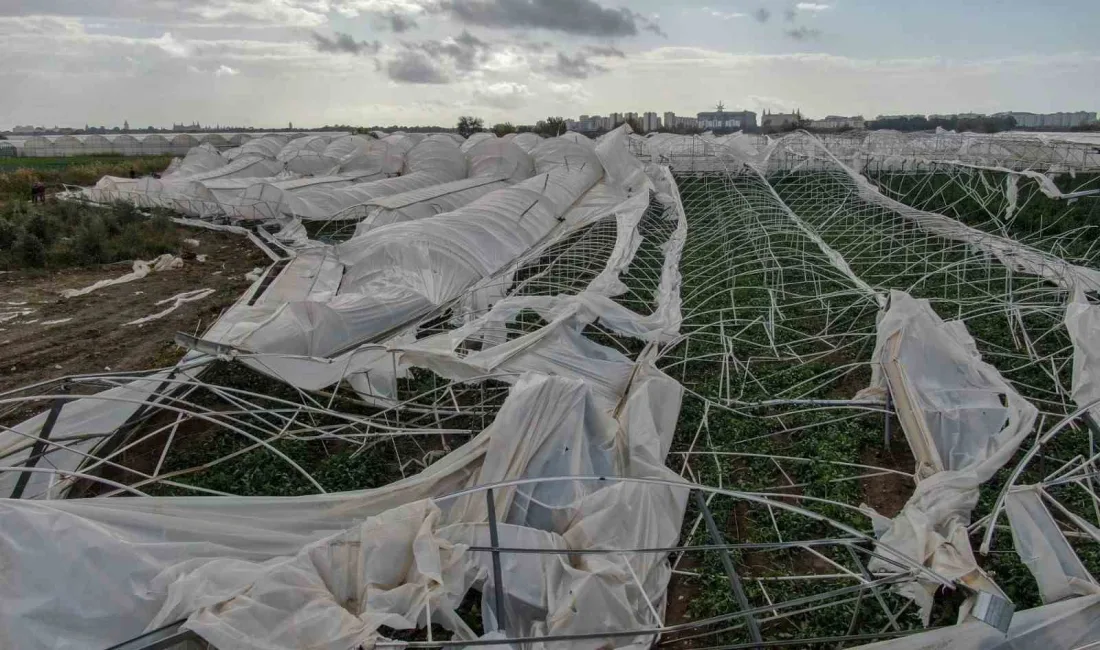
pixel 48 248
pixel 780 276
pixel 18 174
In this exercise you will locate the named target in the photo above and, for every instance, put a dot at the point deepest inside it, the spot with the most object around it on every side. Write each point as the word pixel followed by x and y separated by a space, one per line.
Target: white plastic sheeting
pixel 1070 625
pixel 433 161
pixel 1043 548
pixel 401 271
pixel 1083 324
pixel 276 572
pixel 427 202
pixel 141 268
pixel 962 420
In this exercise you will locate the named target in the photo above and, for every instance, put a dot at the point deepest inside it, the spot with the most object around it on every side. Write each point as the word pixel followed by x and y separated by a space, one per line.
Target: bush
pixel 9 234
pixel 32 252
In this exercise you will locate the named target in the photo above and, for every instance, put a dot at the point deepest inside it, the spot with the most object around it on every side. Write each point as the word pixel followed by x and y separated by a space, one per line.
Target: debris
pixel 142 268
pixel 56 322
pixel 193 243
pixel 176 300
pixel 254 275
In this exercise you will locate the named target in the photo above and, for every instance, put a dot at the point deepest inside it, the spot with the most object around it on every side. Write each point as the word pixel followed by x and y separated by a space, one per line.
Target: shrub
pixel 32 252
pixel 9 234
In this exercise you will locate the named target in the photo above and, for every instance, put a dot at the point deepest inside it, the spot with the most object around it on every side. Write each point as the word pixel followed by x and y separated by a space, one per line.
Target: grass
pixel 18 174
pixel 57 235
pixel 64 234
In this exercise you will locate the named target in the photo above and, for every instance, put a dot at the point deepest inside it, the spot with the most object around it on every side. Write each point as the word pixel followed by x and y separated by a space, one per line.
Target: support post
pixel 727 563
pixel 494 541
pixel 889 412
pixel 38 449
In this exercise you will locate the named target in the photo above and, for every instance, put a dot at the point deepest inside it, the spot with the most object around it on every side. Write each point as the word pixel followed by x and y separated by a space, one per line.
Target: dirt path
pixel 53 336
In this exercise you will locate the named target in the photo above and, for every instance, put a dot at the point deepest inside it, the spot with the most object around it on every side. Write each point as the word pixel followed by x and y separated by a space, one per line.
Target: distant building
pixel 650 121
pixel 672 122
pixel 125 125
pixel 1051 120
pixel 780 120
pixel 833 122
pixel 722 119
pixel 899 117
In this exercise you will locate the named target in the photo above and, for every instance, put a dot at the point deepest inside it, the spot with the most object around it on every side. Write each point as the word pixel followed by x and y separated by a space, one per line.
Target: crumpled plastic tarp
pixel 325 571
pixel 141 268
pixel 1072 624
pixel 963 422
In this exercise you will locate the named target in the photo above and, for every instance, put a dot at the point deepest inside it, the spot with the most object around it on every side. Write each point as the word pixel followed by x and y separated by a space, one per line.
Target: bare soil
pixel 93 336
pixel 889 492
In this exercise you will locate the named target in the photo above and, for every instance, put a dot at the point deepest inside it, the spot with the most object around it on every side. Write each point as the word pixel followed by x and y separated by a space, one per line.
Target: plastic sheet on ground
pixel 1043 548
pixel 270 573
pixel 141 268
pixel 1072 624
pixel 963 422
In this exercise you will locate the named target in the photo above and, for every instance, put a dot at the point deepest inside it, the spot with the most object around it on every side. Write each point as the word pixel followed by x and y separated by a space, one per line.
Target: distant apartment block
pixel 833 122
pixel 1052 120
pixel 780 120
pixel 726 120
pixel 672 122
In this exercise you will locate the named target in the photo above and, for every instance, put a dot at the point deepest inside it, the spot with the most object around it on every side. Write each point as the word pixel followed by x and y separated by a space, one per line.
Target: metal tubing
pixel 494 541
pixel 38 448
pixel 727 563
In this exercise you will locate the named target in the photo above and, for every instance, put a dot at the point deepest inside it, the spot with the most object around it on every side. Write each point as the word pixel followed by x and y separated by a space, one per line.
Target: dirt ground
pixel 53 336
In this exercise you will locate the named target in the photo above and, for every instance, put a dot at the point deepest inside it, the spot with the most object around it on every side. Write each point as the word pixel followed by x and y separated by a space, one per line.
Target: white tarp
pixel 963 422
pixel 1070 625
pixel 270 573
pixel 1043 548
pixel 1083 324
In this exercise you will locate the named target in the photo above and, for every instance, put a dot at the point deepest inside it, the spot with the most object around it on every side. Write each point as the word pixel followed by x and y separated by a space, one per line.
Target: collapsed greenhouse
pixel 676 391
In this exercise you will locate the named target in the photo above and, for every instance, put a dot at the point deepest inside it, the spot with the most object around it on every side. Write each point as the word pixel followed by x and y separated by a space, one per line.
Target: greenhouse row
pixel 632 392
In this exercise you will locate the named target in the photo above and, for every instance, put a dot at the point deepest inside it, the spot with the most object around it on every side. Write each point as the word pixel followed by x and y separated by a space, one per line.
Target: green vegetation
pixel 62 234
pixel 18 174
pixel 469 125
pixel 977 124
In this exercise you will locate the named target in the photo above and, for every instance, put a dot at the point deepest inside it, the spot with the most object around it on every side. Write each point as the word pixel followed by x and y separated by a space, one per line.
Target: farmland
pixel 727 327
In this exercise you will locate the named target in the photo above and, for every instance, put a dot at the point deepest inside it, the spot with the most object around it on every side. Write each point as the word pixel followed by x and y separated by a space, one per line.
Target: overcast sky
pixel 268 62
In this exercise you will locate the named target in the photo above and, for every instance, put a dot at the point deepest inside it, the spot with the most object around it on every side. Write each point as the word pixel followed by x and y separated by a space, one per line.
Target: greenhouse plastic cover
pixel 1043 548
pixel 277 572
pixel 1036 535
pixel 1083 324
pixel 1070 625
pixel 963 422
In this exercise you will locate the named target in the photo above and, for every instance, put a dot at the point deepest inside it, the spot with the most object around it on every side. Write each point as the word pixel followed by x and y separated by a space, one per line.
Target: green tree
pixel 9 234
pixel 555 126
pixel 32 251
pixel 503 129
pixel 469 125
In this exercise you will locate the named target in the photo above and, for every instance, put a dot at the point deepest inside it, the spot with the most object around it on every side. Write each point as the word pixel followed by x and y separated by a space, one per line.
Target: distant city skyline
pixel 649 120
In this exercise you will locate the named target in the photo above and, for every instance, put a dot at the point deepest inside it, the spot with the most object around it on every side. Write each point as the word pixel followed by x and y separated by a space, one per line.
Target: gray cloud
pixel 803 33
pixel 583 17
pixel 344 44
pixel 574 67
pixel 467 51
pixel 762 15
pixel 399 22
pixel 605 50
pixel 790 14
pixel 414 67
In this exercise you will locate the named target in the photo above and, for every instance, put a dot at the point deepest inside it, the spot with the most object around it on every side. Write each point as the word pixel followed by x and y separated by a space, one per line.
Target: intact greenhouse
pixel 675 392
